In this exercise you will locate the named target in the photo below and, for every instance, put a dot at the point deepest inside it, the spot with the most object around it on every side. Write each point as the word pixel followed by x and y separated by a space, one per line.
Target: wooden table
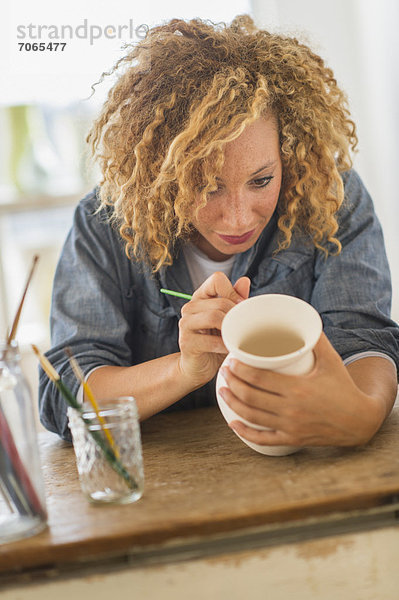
pixel 207 493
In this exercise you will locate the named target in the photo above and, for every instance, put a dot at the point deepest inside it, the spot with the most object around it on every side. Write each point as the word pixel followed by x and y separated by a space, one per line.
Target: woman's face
pixel 249 186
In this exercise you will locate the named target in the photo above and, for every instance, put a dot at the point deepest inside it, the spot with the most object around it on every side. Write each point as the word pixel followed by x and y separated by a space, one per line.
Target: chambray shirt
pixel 108 308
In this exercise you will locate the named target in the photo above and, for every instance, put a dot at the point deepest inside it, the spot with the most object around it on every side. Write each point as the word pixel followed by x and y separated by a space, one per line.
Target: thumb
pixel 242 286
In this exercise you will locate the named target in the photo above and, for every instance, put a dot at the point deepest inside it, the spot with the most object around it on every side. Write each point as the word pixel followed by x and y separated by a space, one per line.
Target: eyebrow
pixel 268 165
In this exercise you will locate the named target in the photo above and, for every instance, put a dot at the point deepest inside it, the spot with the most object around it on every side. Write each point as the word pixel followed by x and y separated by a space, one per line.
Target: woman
pixel 226 171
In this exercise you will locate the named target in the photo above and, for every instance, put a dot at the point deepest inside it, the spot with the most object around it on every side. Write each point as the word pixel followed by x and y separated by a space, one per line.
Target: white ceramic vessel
pixel 261 312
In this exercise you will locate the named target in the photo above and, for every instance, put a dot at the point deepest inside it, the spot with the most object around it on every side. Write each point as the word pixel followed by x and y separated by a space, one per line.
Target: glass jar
pixel 22 499
pixel 108 453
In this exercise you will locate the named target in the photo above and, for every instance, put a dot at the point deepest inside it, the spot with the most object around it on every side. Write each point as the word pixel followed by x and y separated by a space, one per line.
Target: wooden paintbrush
pixel 11 335
pixel 102 442
pixel 87 390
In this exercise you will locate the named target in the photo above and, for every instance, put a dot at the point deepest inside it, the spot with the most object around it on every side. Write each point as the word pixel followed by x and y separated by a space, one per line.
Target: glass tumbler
pixel 108 451
pixel 22 499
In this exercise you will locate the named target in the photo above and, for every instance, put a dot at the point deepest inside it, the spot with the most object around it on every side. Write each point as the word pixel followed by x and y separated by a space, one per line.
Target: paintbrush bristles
pixel 46 365
pixel 14 327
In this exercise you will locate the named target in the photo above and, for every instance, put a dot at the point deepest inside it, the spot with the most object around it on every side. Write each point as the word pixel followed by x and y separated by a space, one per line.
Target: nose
pixel 237 213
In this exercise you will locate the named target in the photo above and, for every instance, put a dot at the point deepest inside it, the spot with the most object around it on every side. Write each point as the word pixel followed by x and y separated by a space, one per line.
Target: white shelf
pixel 37 202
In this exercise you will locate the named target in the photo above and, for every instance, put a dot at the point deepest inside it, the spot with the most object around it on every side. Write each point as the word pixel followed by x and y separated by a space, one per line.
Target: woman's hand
pixel 325 407
pixel 201 346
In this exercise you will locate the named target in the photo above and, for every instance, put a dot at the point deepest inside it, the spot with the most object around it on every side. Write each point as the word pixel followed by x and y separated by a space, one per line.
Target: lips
pixel 237 239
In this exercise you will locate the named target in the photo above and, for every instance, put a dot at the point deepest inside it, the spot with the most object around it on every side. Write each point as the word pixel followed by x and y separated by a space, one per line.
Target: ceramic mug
pixel 286 318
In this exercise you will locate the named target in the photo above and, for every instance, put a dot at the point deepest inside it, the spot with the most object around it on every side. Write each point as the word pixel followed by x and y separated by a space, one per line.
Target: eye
pixel 262 181
pixel 218 189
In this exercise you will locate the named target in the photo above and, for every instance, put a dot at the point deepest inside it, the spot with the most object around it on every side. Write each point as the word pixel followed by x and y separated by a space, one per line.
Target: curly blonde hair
pixel 185 91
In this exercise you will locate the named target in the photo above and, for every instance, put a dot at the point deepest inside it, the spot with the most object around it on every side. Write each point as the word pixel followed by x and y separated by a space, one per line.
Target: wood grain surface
pixel 201 480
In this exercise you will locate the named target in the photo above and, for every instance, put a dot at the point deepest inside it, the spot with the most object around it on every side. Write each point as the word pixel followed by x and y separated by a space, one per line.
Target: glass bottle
pixel 22 499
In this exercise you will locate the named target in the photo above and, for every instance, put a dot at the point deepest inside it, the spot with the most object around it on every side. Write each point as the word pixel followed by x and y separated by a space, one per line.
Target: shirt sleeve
pixel 88 312
pixel 352 290
pixel 359 355
pixel 80 392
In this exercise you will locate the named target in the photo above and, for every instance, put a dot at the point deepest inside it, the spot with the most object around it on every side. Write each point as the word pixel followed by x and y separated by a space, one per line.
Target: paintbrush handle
pixel 4 493
pixel 14 474
pixel 177 294
pixel 109 454
pixel 14 326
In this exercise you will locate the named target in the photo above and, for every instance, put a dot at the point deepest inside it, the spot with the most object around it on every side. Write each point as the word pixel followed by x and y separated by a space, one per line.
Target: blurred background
pixel 46 111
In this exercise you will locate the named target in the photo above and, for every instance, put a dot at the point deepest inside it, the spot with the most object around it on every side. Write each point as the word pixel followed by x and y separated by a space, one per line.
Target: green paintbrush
pixel 177 294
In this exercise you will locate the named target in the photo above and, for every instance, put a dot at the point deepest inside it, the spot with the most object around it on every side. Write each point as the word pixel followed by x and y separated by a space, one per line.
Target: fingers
pixel 285 425
pixel 263 397
pixel 204 315
pixel 242 287
pixel 218 285
pixel 199 327
pixel 262 438
pixel 201 320
pixel 257 416
pixel 250 396
pixel 219 306
pixel 261 379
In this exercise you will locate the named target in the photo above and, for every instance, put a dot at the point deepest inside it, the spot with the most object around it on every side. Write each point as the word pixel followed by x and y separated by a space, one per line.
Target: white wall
pixel 359 41
pixel 58 78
